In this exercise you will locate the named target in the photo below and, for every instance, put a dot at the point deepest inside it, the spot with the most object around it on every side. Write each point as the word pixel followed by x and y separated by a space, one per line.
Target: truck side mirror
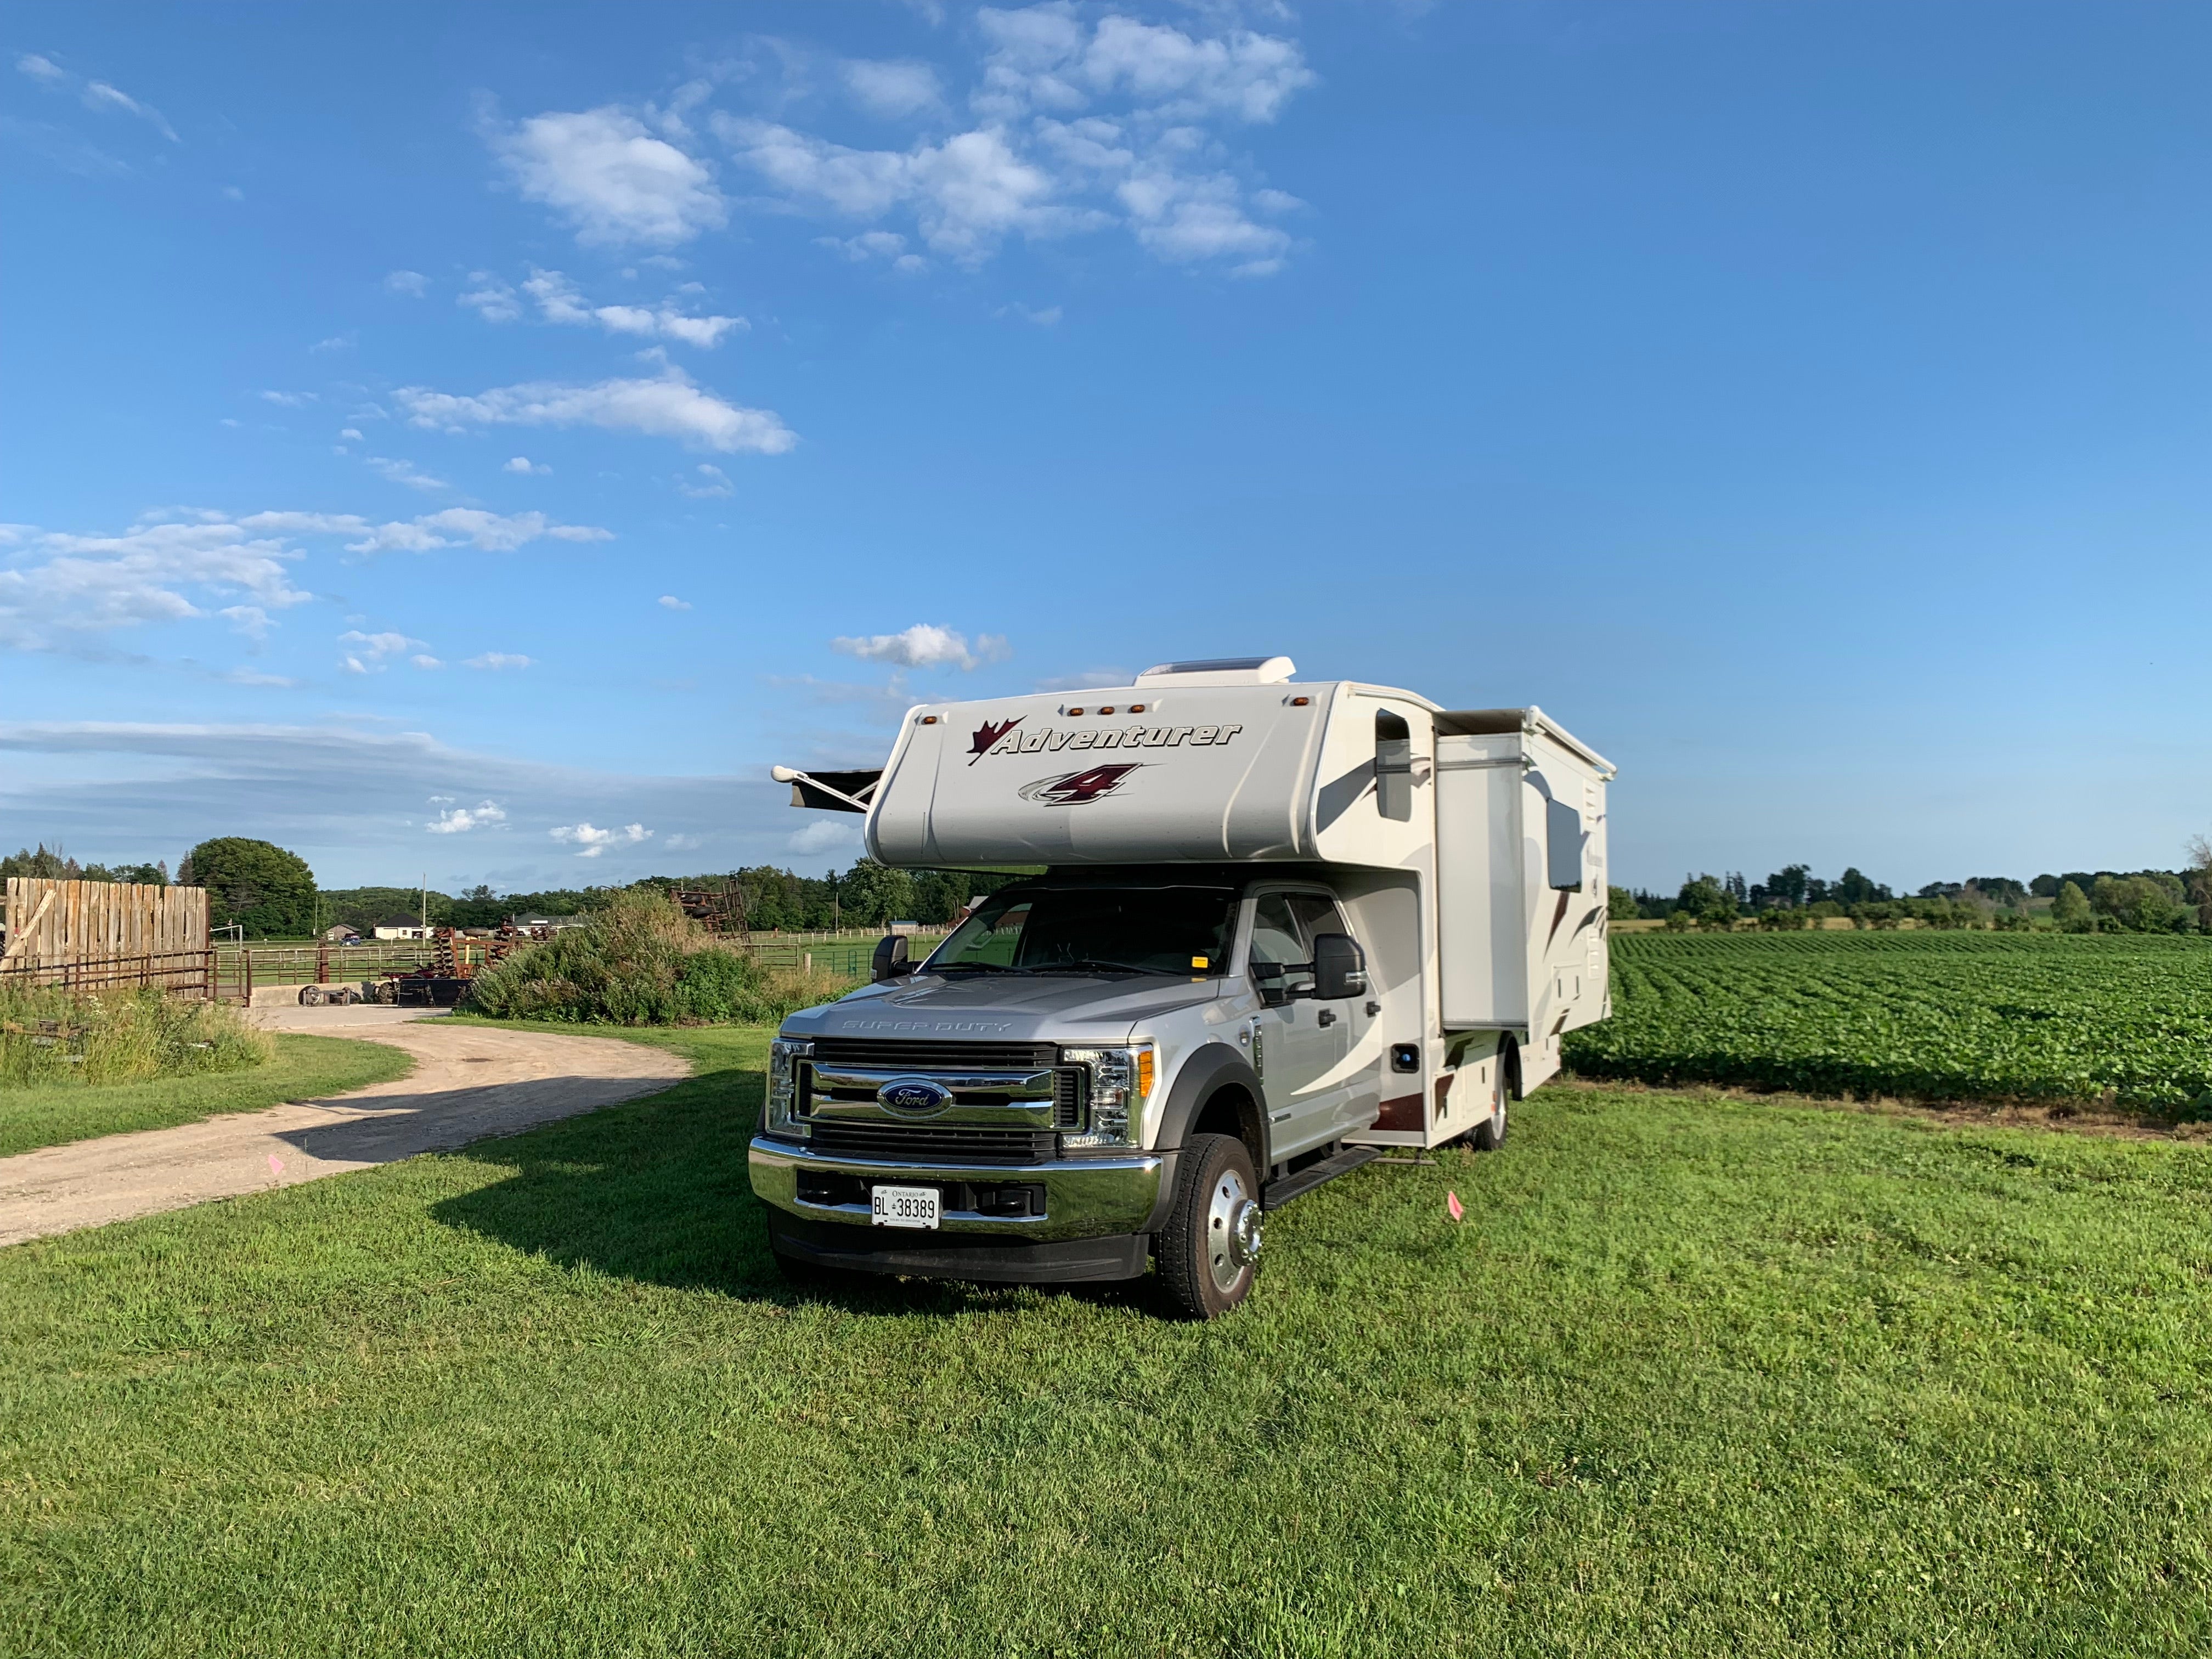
pixel 1268 981
pixel 891 961
pixel 1340 967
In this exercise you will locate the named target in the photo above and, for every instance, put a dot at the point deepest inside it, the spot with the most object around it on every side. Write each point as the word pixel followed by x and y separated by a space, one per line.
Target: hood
pixel 1003 1007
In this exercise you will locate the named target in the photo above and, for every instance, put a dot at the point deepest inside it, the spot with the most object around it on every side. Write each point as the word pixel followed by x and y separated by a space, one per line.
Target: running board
pixel 1276 1193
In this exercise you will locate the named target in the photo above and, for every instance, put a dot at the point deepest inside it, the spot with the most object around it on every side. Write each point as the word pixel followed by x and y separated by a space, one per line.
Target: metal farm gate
pixel 95 935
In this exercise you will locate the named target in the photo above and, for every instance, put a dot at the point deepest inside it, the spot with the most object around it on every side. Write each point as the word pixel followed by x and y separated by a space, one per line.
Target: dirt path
pixel 468 1083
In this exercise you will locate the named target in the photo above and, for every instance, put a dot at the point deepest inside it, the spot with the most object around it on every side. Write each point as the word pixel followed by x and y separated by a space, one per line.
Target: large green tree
pixel 269 892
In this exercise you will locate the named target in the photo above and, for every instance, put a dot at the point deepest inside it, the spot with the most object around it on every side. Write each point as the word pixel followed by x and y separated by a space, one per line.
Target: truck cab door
pixel 1298 1050
pixel 1357 1076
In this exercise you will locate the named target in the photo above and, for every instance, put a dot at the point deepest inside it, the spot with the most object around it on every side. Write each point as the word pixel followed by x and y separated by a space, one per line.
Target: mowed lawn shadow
pixel 656 1190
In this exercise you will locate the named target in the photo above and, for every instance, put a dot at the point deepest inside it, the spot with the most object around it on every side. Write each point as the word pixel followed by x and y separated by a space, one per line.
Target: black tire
pixel 311 996
pixel 1489 1135
pixel 1209 1251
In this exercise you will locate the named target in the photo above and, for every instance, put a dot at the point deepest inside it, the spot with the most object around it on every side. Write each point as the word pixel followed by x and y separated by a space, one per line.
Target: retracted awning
pixel 831 791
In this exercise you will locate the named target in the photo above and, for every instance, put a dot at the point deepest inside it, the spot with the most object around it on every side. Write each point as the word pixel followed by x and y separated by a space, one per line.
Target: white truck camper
pixel 1281 928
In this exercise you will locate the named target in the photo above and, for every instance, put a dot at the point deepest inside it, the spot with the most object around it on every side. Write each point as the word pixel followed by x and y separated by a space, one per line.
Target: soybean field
pixel 2123 1019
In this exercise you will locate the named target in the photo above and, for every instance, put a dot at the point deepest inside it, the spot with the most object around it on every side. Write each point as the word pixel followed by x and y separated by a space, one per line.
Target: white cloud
pixel 523 464
pixel 460 820
pixel 490 298
pixel 412 283
pixel 426 662
pixel 366 653
pixel 890 89
pixel 670 406
pixel 403 473
pixel 610 177
pixel 41 68
pixel 344 342
pixel 924 645
pixel 494 532
pixel 250 620
pixel 288 399
pixel 707 482
pixel 684 843
pixel 559 300
pixel 53 585
pixel 825 836
pixel 593 842
pixel 1045 317
pixel 1078 125
pixel 670 602
pixel 495 661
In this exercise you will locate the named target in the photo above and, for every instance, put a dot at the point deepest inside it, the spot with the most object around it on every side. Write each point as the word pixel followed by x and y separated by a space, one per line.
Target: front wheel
pixel 1210 1248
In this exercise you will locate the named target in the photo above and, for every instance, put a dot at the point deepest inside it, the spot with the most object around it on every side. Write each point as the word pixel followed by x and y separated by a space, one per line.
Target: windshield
pixel 1139 929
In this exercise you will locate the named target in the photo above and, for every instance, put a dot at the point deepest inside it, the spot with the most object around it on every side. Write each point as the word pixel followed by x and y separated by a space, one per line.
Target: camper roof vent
pixel 1222 671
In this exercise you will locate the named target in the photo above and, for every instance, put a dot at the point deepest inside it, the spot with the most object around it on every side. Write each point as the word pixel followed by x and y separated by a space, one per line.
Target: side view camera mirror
pixel 1267 979
pixel 1340 967
pixel 891 960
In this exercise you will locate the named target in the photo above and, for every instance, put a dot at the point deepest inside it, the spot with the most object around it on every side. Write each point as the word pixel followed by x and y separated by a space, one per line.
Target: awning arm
pixel 829 792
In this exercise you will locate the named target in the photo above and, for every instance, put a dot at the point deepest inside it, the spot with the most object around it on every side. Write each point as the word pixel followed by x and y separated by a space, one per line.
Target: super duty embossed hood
pixel 1003 1007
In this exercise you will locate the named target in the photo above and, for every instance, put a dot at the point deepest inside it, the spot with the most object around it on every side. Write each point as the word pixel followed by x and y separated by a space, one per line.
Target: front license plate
pixel 904 1206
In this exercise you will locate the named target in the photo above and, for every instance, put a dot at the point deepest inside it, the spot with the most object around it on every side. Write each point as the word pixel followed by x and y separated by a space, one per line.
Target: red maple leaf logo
pixel 986 734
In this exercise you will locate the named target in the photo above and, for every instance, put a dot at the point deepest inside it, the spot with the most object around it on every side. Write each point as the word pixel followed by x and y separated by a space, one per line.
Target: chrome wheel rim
pixel 1233 1230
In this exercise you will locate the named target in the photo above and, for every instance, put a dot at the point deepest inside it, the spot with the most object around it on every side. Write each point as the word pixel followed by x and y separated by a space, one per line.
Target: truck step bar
pixel 1276 1193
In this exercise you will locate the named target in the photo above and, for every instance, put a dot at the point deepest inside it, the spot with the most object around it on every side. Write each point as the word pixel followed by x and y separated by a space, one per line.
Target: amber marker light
pixel 1108 710
pixel 1300 702
pixel 1136 709
pixel 1075 711
pixel 1144 1072
pixel 929 720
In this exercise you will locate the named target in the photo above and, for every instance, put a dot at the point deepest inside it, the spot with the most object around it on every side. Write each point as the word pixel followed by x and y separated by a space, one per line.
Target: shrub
pixel 642 961
pixel 120 1037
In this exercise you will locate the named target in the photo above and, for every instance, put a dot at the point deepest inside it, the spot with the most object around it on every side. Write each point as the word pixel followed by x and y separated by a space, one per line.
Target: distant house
pixel 402 933
pixel 340 935
pixel 906 927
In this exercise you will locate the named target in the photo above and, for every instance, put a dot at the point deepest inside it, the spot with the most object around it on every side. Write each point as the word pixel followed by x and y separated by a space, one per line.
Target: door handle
pixel 1326 1017
pixel 1373 1009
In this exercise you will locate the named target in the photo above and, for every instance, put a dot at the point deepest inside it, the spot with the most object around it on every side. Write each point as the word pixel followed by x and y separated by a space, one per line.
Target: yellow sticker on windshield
pixel 1199 962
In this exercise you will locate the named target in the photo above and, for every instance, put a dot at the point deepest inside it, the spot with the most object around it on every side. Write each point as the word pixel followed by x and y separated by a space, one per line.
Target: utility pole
pixel 426 904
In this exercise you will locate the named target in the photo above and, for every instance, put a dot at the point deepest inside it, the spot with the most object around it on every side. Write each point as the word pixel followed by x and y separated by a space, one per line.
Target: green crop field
pixel 2126 1019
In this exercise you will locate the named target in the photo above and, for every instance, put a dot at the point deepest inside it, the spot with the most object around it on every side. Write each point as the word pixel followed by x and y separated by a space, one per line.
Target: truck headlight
pixel 1120 1083
pixel 786 1059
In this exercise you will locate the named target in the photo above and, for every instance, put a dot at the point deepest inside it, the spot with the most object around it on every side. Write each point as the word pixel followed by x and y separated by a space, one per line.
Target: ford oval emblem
pixel 916 1097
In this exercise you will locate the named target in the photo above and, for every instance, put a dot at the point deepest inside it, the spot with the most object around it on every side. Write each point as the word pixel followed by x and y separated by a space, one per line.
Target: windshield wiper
pixel 977 967
pixel 1086 965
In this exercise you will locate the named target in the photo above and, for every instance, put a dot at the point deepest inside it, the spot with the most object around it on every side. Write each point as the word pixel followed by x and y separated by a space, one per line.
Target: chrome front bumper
pixel 1082 1197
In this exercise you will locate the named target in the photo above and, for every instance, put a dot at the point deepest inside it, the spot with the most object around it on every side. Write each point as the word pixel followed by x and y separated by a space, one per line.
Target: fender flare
pixel 1207 1069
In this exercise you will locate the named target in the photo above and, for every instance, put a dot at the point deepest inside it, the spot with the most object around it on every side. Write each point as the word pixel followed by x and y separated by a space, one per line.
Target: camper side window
pixel 1563 830
pixel 1393 765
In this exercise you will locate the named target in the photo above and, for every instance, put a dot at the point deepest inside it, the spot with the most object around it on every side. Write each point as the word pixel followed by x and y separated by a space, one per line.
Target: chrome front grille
pixel 900 1054
pixel 931 1143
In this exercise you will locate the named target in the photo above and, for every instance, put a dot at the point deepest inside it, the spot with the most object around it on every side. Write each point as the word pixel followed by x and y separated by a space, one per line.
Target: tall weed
pixel 643 962
pixel 120 1037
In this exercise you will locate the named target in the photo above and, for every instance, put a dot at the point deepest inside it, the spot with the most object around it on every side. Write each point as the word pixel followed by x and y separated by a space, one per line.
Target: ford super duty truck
pixel 1280 927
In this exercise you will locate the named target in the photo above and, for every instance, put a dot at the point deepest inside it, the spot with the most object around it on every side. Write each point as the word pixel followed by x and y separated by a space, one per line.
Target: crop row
pixel 1944 1016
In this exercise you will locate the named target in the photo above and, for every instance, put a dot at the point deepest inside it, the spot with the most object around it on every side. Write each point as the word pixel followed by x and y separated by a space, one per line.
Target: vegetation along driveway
pixel 468 1083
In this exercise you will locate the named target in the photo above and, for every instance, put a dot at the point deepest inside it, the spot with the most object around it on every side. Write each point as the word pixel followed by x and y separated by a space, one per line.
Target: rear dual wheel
pixel 1489 1135
pixel 1209 1251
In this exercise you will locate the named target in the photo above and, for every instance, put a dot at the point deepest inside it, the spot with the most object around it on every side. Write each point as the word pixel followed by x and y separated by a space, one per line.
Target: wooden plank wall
pixel 53 922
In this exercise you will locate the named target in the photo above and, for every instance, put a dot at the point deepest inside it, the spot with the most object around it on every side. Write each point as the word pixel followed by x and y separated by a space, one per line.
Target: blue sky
pixel 478 440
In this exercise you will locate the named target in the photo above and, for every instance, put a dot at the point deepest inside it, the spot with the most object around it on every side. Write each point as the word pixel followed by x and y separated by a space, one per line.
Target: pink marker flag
pixel 276 1167
pixel 1451 1203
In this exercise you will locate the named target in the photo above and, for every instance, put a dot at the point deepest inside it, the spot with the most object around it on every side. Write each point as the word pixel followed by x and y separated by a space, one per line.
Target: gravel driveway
pixel 468 1082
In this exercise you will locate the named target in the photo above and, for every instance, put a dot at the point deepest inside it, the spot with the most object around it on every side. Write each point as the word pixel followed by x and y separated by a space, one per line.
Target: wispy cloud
pixel 496 660
pixel 403 473
pixel 670 406
pixel 925 644
pixel 523 464
pixel 99 96
pixel 670 602
pixel 412 283
pixel 53 584
pixel 370 654
pixel 559 300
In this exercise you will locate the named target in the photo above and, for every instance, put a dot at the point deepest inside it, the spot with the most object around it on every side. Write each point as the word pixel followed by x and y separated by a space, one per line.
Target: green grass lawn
pixel 304 1068
pixel 1694 1376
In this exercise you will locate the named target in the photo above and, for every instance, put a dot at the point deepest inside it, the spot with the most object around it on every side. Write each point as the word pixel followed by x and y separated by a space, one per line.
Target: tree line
pixel 2074 901
pixel 269 893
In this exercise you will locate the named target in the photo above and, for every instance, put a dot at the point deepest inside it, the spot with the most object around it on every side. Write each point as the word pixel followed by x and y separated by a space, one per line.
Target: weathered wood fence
pixel 93 935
